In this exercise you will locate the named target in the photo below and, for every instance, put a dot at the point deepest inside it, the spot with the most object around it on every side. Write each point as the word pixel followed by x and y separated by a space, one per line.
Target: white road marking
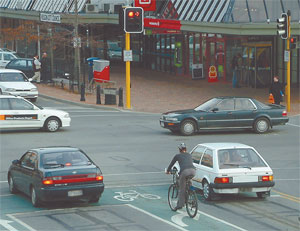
pixel 156 217
pixel 177 219
pixel 136 173
pixel 20 222
pixel 120 115
pixel 275 195
pixel 7 226
pixel 294 125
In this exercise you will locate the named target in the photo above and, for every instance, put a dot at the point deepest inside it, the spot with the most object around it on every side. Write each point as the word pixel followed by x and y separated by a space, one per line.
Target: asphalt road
pixel 132 151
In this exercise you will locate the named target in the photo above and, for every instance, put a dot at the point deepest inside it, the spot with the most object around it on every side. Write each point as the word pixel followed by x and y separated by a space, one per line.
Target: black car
pixel 56 174
pixel 22 64
pixel 225 112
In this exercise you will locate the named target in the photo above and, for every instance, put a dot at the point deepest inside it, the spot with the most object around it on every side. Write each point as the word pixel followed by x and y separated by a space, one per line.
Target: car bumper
pixel 61 193
pixel 280 121
pixel 26 95
pixel 242 187
pixel 169 124
pixel 66 122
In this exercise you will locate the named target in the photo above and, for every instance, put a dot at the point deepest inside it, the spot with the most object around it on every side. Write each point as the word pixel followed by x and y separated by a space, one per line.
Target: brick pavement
pixel 159 92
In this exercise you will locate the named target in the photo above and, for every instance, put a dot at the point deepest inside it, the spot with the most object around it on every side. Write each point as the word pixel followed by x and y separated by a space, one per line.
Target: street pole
pixel 288 76
pixel 39 41
pixel 77 44
pixel 127 48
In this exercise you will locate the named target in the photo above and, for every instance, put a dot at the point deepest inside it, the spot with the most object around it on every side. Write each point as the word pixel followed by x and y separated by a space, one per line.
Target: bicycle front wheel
pixel 192 203
pixel 173 196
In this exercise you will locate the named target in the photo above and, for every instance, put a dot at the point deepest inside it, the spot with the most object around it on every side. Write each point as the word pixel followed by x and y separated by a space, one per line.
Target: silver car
pixel 15 82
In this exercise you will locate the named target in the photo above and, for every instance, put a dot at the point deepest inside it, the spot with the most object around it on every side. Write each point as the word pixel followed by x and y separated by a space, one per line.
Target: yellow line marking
pixel 287 196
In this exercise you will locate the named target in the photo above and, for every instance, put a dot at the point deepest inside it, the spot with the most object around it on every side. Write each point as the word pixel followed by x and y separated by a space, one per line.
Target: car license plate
pixel 75 193
pixel 245 190
pixel 162 124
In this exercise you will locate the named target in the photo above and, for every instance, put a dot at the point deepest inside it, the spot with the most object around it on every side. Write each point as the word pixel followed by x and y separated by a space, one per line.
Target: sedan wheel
pixel 207 192
pixel 188 127
pixel 11 183
pixel 261 125
pixel 34 200
pixel 52 124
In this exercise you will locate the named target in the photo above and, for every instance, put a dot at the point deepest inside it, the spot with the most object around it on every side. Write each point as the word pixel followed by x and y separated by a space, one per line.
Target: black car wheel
pixel 11 184
pixel 207 191
pixel 34 198
pixel 188 127
pixel 52 124
pixel 261 125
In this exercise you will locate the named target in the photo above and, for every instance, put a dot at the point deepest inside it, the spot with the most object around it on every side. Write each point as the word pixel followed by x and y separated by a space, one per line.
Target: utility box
pixel 101 71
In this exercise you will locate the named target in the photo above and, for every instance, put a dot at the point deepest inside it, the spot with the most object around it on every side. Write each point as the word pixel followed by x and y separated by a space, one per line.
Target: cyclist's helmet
pixel 182 146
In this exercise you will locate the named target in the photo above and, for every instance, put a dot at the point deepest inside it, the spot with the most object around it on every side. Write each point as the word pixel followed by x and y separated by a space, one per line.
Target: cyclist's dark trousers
pixel 182 184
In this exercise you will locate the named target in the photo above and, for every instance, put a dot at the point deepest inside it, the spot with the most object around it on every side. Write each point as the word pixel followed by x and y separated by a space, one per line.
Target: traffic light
pixel 293 42
pixel 282 26
pixel 134 20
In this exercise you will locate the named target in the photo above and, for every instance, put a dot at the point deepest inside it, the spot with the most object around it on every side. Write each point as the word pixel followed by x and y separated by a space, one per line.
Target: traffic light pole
pixel 288 75
pixel 127 47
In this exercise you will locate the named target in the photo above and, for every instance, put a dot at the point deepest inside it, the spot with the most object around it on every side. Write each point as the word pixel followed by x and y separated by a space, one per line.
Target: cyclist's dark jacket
pixel 185 161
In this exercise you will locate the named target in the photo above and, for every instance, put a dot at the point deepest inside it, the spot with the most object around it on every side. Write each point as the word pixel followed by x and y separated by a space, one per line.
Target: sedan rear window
pixel 239 158
pixel 64 159
pixel 12 77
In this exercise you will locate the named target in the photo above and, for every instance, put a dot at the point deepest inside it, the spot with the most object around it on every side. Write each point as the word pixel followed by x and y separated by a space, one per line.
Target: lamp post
pixel 77 47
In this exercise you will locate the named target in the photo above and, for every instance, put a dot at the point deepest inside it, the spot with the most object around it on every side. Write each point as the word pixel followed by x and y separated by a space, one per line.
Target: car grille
pixel 23 90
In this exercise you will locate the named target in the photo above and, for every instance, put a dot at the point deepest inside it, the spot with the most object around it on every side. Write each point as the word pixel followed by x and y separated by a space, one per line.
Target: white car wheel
pixel 261 125
pixel 52 124
pixel 188 127
pixel 207 193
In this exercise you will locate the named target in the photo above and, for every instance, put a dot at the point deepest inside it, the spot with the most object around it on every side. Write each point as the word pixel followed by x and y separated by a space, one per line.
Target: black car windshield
pixel 12 77
pixel 239 158
pixel 208 105
pixel 64 159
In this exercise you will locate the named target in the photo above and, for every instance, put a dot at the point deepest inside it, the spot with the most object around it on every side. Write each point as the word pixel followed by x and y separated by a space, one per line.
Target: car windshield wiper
pixel 54 165
pixel 231 164
pixel 245 167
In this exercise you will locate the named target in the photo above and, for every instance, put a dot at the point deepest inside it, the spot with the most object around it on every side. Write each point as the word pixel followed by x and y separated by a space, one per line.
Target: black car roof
pixel 231 97
pixel 54 149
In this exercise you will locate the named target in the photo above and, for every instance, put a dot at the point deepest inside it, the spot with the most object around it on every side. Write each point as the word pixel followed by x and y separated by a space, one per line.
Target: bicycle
pixel 191 202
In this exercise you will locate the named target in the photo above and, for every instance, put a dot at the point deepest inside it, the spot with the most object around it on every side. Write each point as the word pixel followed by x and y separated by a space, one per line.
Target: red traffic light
pixel 293 40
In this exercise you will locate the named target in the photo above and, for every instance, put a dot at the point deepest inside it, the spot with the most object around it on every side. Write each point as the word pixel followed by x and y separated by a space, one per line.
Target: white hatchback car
pixel 14 82
pixel 227 168
pixel 6 56
pixel 17 112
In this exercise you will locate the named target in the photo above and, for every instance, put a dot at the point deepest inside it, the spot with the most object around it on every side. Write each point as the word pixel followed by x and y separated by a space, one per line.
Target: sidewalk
pixel 159 92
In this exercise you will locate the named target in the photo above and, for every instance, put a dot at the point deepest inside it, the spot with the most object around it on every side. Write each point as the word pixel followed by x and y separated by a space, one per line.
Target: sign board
pixel 286 56
pixel 76 42
pixel 147 5
pixel 110 91
pixel 162 23
pixel 197 71
pixel 127 54
pixel 44 17
pixel 212 74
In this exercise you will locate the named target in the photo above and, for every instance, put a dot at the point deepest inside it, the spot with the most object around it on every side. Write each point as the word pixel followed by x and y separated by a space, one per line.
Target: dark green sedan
pixel 225 113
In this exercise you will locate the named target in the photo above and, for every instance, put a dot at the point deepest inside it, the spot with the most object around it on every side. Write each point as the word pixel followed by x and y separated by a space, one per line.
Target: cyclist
pixel 186 169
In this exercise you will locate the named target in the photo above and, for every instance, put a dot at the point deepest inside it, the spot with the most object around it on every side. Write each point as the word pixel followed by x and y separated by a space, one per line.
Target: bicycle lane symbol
pixel 132 195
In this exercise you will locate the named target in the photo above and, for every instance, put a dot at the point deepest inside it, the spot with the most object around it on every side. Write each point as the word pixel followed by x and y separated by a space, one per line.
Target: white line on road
pixel 21 222
pixel 133 173
pixel 122 115
pixel 156 217
pixel 294 125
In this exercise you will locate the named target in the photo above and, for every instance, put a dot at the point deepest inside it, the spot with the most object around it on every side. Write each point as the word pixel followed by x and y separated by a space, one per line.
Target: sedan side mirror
pixel 16 162
pixel 215 109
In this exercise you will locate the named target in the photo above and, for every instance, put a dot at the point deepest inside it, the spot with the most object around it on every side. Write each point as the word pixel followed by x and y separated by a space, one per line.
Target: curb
pixel 81 104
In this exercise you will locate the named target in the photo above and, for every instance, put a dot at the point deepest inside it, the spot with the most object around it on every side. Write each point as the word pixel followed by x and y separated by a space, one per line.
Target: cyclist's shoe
pixel 176 208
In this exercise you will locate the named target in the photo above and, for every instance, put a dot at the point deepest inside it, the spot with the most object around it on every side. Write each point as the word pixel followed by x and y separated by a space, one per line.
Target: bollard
pixel 121 97
pixel 98 95
pixel 82 92
pixel 62 84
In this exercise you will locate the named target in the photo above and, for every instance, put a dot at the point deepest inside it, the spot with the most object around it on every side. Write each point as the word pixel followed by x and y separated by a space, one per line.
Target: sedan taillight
pixel 284 113
pixel 223 180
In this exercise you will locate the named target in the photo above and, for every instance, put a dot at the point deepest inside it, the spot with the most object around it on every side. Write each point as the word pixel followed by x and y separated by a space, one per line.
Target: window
pixel 226 105
pixel 207 159
pixel 4 105
pixel 243 104
pixel 239 158
pixel 8 57
pixel 18 63
pixel 20 104
pixel 12 77
pixel 197 154
pixel 29 160
pixel 29 63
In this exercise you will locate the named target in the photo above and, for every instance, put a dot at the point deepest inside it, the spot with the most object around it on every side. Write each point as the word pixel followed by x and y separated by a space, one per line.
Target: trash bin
pixel 90 67
pixel 110 96
pixel 101 71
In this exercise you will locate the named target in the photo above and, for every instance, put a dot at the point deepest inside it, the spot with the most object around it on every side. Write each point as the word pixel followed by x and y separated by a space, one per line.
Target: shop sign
pixel 286 56
pixel 147 5
pixel 50 18
pixel 212 74
pixel 153 31
pixel 127 54
pixel 162 23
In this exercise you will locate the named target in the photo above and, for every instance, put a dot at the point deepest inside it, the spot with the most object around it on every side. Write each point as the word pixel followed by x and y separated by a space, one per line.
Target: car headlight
pixel 10 89
pixel 33 89
pixel 171 119
pixel 67 115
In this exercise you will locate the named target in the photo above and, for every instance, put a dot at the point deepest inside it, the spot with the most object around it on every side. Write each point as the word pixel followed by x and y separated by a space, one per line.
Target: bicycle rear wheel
pixel 192 203
pixel 173 196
